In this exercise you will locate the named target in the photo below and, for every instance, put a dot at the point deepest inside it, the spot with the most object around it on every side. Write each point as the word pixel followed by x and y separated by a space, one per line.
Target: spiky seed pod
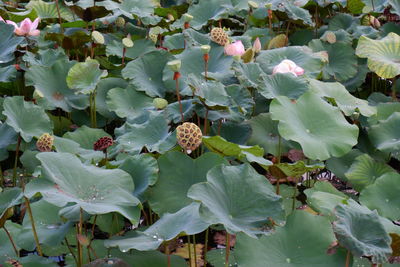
pixel 160 103
pixel 45 143
pixel 103 143
pixel 189 136
pixel 219 36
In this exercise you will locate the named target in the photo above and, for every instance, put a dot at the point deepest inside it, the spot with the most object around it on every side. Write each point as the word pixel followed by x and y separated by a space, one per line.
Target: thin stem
pixel 348 258
pixel 168 254
pixel 123 56
pixel 205 248
pixel 227 250
pixel 80 254
pixel 179 97
pixel 28 208
pixel 94 109
pixel 394 96
pixel 205 122
pixel 295 193
pixel 93 226
pixel 12 241
pixel 1 177
pixel 278 161
pixel 287 34
pixel 190 251
pixel 59 16
pixel 194 249
pixel 70 250
pixel 16 160
pixel 205 68
pixel 270 19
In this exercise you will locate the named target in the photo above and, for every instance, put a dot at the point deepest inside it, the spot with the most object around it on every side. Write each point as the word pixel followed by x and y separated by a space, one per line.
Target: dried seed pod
pixel 219 36
pixel 189 136
pixel 45 142
pixel 103 143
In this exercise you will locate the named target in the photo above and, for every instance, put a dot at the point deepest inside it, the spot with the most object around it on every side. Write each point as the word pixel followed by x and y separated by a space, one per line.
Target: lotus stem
pixel 1 177
pixel 176 78
pixel 278 161
pixel 206 58
pixel 70 250
pixel 205 248
pixel 16 160
pixel 205 122
pixel 190 251
pixel 295 193
pixel 348 258
pixel 123 56
pixel 80 254
pixel 394 96
pixel 35 236
pixel 227 249
pixel 195 252
pixel 59 16
pixel 12 241
pixel 270 19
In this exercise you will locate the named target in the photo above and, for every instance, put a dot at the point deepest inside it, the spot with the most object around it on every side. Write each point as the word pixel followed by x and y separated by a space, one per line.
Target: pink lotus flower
pixel 257 45
pixel 288 66
pixel 26 28
pixel 234 49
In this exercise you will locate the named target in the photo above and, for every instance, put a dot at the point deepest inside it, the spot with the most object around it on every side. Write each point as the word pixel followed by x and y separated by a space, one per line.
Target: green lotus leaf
pixel 342 63
pixel 67 145
pixel 46 10
pixel 241 99
pixel 383 196
pixel 138 8
pixel 192 63
pixel 128 103
pixel 86 136
pixel 282 84
pixel 84 76
pixel 265 134
pixel 95 190
pixel 310 122
pixel 50 81
pixel 146 72
pixel 343 99
pixel 169 193
pixel 323 198
pixel 51 230
pixel 376 5
pixel 8 74
pixel 339 166
pixel 386 134
pixel 303 241
pixel 140 47
pixel 104 86
pixel 19 116
pixel 216 257
pixel 293 11
pixel 151 132
pixel 208 10
pixel 173 110
pixel 360 231
pixel 303 56
pixel 8 137
pixel 6 248
pixel 298 168
pixel 144 171
pixel 239 198
pixel 383 55
pixel 212 93
pixel 186 221
pixel 29 160
pixel 8 43
pixel 365 170
pixel 384 111
pixel 151 258
pixel 355 6
pixel 9 198
pixel 248 74
pixel 235 132
pixel 342 21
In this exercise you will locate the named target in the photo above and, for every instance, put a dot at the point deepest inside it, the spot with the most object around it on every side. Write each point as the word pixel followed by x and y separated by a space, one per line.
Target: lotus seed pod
pixel 268 6
pixel 120 22
pixel 189 136
pixel 175 65
pixel 153 37
pixel 187 17
pixel 160 103
pixel 329 37
pixel 45 143
pixel 205 49
pixel 103 143
pixel 219 36
pixel 127 42
pixel 97 37
pixel 252 4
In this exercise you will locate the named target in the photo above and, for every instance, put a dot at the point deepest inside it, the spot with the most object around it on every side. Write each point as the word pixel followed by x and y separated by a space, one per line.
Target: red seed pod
pixel 103 143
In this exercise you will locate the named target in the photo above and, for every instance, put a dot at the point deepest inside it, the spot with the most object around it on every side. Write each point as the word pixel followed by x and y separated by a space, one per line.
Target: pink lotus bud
pixel 257 45
pixel 26 28
pixel 288 66
pixel 234 49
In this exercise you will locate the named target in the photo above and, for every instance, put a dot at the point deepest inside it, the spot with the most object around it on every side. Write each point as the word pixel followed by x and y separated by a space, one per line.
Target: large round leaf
pixel 169 193
pixel 383 195
pixel 303 241
pixel 128 103
pixel 19 116
pixel 279 84
pixel 207 10
pixel 50 82
pixel 8 42
pixel 104 86
pixel 95 190
pixel 86 136
pixel 383 55
pixel 361 231
pixel 386 134
pixel 239 198
pixel 311 121
pixel 84 76
pixel 365 170
pixel 146 72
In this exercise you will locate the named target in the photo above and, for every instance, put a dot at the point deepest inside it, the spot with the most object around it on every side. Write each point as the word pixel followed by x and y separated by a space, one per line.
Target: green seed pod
pixel 120 22
pixel 175 65
pixel 187 17
pixel 205 49
pixel 160 103
pixel 253 4
pixel 127 42
pixel 97 37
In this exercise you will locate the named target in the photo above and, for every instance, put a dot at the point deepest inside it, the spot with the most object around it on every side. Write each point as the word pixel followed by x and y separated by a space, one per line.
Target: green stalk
pixel 394 89
pixel 16 160
pixel 80 252
pixel 205 248
pixel 12 241
pixel 190 251
pixel 227 250
pixel 279 161
pixel 28 208
pixel 70 250
pixel 1 177
pixel 195 252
